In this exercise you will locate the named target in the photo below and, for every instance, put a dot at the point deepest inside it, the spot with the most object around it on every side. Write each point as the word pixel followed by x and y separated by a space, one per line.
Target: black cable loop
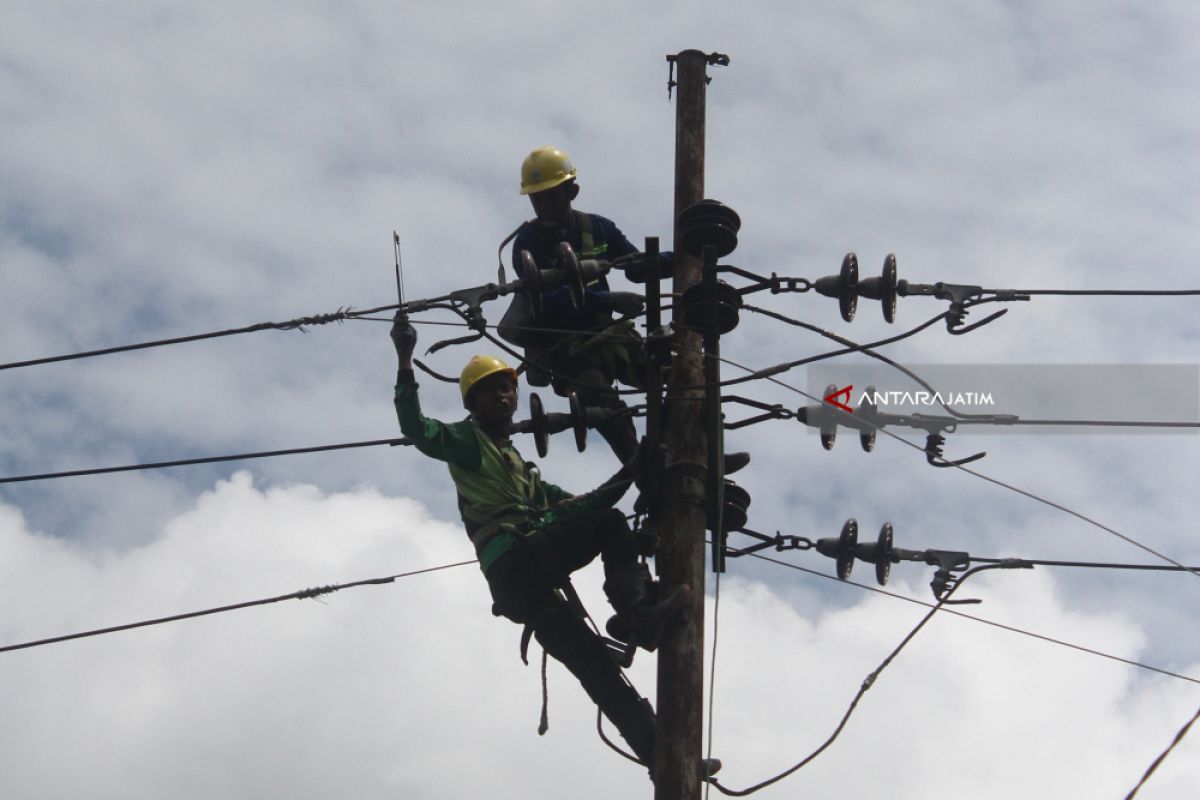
pixel 607 741
pixel 867 683
pixel 865 350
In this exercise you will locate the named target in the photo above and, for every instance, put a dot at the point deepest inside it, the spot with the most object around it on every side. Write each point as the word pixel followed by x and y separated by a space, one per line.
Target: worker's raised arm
pixel 455 444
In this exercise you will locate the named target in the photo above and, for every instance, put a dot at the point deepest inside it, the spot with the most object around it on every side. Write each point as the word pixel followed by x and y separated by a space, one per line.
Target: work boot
pixel 735 461
pixel 645 625
pixel 628 588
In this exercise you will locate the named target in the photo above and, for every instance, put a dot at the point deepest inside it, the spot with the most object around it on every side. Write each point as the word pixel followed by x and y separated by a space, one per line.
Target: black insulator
pixel 843 286
pixel 737 505
pixel 533 282
pixel 887 288
pixel 729 303
pixel 846 542
pixel 883 554
pixel 709 222
pixel 883 288
pixel 572 274
pixel 843 548
pixel 568 272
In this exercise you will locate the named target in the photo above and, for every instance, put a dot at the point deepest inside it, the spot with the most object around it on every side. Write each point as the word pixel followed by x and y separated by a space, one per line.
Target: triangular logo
pixel 832 399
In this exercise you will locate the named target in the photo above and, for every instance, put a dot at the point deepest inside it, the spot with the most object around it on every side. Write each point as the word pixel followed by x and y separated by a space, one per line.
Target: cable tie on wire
pixel 316 591
pixel 338 316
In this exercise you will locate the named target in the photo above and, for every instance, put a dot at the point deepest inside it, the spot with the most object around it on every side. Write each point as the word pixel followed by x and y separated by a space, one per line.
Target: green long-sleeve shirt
pixel 500 495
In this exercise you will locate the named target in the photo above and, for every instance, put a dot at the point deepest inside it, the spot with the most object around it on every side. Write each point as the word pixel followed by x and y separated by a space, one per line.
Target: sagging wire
pixel 303 594
pixel 992 623
pixel 867 683
pixel 864 349
pixel 768 372
pixel 1163 755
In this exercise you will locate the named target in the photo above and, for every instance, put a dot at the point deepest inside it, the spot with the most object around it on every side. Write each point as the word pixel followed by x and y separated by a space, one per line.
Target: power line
pixel 296 324
pixel 996 481
pixel 867 683
pixel 852 347
pixel 1103 292
pixel 303 594
pixel 965 418
pixel 1163 755
pixel 1000 625
pixel 204 460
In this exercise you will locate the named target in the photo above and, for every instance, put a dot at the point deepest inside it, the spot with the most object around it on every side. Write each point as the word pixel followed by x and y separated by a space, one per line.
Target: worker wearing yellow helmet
pixel 561 344
pixel 530 535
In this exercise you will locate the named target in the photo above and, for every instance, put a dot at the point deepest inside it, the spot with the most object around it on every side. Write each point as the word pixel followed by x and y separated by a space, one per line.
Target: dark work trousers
pixel 523 583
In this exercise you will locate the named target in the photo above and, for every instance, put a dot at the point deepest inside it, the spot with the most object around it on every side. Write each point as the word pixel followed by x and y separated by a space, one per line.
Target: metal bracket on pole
pixel 714 59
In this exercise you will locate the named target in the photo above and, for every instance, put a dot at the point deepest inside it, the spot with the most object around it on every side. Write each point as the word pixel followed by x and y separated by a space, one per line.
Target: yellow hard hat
pixel 544 169
pixel 478 368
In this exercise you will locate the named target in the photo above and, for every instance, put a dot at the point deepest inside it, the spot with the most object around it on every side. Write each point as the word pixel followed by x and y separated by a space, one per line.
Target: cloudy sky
pixel 169 171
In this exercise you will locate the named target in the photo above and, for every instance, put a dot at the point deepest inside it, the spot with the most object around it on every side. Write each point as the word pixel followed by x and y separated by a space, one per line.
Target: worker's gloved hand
pixel 627 304
pixel 635 465
pixel 404 335
pixel 651 464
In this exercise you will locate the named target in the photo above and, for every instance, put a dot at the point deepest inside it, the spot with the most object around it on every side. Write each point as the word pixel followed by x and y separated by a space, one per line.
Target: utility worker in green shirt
pixel 531 535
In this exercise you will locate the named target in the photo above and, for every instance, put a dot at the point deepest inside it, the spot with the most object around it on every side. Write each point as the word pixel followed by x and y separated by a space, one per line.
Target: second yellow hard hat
pixel 544 169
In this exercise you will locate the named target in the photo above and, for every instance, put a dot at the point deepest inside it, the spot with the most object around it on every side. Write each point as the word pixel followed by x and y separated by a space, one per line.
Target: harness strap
pixel 544 723
pixel 587 242
pixel 526 635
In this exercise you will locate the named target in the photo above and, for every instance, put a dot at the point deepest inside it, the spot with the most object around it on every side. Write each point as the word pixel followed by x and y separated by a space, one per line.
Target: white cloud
pixel 413 688
pixel 172 172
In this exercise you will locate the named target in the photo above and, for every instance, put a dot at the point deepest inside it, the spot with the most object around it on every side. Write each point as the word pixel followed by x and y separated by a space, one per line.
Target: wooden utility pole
pixel 680 558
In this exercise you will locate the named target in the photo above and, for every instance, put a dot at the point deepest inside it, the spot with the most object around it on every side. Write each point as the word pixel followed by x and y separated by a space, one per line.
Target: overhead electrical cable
pixel 992 623
pixel 1163 755
pixel 303 594
pixel 769 372
pixel 295 324
pixel 880 429
pixel 1100 292
pixel 867 683
pixel 204 460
